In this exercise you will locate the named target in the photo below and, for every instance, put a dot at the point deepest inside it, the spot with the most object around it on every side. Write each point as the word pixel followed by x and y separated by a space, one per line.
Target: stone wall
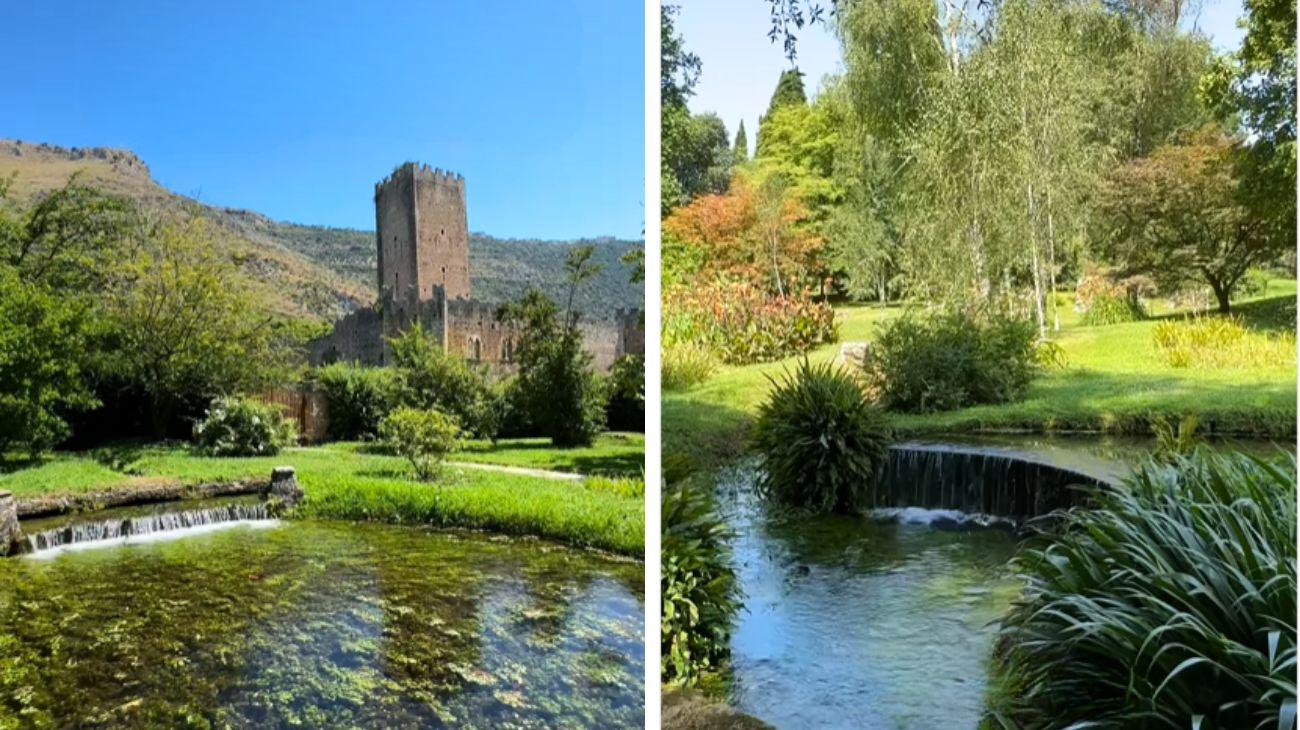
pixel 356 338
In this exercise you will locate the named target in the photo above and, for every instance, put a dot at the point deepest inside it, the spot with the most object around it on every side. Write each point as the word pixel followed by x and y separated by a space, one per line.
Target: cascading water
pixel 143 528
pixel 977 480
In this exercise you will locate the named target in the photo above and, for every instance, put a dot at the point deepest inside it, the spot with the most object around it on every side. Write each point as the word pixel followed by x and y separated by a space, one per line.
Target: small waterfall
pixel 976 480
pixel 144 528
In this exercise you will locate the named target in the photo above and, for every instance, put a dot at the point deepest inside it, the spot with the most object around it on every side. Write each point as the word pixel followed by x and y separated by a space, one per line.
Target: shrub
pixel 358 398
pixel 948 360
pixel 821 444
pixel 242 427
pixel 1109 309
pixel 422 437
pixel 432 378
pixel 1215 342
pixel 512 415
pixel 746 325
pixel 700 595
pixel 564 399
pixel 625 410
pixel 686 365
pixel 1173 605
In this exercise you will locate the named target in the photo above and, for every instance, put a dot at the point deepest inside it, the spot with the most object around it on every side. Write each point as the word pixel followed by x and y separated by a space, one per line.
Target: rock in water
pixel 284 486
pixel 9 531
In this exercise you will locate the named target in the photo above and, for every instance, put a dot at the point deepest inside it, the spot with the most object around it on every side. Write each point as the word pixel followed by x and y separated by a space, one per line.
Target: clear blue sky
pixel 296 109
pixel 741 66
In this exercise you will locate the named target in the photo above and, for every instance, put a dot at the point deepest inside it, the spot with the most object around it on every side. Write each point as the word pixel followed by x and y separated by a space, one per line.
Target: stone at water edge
pixel 9 530
pixel 284 486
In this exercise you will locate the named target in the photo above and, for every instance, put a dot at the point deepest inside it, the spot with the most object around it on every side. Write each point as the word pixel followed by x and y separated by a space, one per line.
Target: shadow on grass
pixel 1274 314
pixel 612 465
pixel 698 436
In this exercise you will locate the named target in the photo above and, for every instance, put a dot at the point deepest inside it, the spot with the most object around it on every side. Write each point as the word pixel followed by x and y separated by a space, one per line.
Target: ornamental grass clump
pixel 821 443
pixel 1171 605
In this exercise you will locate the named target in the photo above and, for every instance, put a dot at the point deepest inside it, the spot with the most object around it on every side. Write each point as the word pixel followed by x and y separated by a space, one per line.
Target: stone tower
pixel 422 233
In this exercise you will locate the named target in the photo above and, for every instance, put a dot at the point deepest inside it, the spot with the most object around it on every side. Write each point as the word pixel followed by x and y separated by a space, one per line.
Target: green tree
pixel 423 437
pixel 40 376
pixel 789 91
pixel 562 396
pixel 1178 215
pixel 740 153
pixel 578 268
pixel 56 254
pixel 696 156
pixel 1258 83
pixel 430 377
pixel 182 326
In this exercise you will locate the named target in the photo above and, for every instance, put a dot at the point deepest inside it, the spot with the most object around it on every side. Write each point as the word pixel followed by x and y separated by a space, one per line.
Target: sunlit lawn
pixel 1113 381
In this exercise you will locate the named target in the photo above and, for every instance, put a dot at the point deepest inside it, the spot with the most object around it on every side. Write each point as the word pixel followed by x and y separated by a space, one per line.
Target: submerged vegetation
pixel 1173 603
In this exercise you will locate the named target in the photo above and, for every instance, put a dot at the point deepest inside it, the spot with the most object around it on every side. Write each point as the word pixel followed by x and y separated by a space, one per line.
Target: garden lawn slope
pixel 343 482
pixel 1114 381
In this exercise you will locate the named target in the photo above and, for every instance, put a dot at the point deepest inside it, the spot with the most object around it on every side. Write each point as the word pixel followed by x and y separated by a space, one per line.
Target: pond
pixel 863 622
pixel 321 624
pixel 856 623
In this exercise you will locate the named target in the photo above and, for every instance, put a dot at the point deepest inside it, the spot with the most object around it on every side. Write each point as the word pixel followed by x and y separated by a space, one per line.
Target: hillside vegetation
pixel 319 272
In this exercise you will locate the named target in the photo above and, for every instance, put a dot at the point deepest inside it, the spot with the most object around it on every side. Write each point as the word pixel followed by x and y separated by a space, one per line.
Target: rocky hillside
pixel 315 271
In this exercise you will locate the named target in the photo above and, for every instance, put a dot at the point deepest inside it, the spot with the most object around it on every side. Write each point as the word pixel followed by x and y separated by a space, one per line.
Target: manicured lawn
pixel 1113 382
pixel 613 454
pixel 343 481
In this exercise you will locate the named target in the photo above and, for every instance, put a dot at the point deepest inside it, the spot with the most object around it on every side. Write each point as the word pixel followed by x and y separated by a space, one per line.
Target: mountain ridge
pixel 323 272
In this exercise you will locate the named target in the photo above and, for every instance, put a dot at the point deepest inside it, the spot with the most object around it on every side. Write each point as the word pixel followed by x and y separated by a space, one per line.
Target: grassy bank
pixel 1113 381
pixel 341 481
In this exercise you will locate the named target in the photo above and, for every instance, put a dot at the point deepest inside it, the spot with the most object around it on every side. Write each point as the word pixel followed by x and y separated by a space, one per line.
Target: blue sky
pixel 741 67
pixel 296 109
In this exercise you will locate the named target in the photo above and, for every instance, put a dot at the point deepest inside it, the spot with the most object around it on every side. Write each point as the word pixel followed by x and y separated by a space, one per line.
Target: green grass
pixel 613 454
pixel 1114 382
pixel 343 481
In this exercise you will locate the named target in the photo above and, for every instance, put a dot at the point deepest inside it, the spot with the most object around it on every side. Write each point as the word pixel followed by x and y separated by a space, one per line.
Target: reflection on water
pixel 322 625
pixel 855 623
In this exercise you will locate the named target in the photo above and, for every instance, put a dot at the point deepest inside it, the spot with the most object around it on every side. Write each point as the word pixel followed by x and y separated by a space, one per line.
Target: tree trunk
pixel 1221 293
pixel 160 417
pixel 1038 276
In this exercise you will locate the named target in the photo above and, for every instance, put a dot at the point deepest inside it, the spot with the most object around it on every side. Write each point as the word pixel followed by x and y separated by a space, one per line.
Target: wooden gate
pixel 305 406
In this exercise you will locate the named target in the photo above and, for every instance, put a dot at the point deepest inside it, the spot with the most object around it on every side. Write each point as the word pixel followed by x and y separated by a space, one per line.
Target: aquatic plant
pixel 422 437
pixel 700 594
pixel 242 427
pixel 820 442
pixel 1172 605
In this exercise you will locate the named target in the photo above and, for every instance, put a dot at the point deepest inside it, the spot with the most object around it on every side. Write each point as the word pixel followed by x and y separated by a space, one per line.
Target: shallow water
pixel 855 623
pixel 322 625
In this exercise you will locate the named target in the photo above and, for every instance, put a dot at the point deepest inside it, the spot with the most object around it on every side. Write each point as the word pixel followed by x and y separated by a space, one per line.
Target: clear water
pixel 322 625
pixel 855 623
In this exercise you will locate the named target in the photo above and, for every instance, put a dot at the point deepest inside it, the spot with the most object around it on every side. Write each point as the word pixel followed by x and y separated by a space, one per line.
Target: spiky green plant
pixel 820 441
pixel 1172 605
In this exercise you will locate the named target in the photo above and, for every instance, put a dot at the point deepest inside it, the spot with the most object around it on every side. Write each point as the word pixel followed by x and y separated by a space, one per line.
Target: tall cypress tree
pixel 789 90
pixel 741 151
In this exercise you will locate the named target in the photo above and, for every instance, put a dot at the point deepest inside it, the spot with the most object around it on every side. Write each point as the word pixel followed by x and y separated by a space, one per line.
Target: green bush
pixel 423 437
pixel 358 398
pixel 1172 605
pixel 566 400
pixel 242 427
pixel 433 378
pixel 1107 309
pixel 700 594
pixel 947 360
pixel 1218 343
pixel 625 410
pixel 821 444
pixel 686 365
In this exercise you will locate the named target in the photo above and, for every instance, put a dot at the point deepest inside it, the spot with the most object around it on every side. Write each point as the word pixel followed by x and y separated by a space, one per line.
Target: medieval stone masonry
pixel 422 235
